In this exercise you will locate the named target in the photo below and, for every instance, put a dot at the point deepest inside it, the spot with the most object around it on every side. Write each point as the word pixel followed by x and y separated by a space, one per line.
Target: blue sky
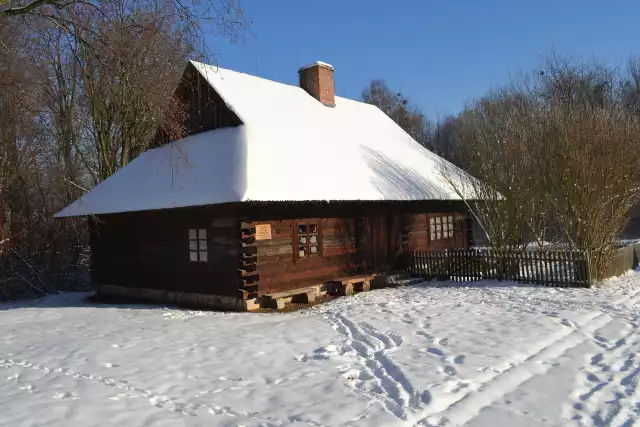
pixel 438 53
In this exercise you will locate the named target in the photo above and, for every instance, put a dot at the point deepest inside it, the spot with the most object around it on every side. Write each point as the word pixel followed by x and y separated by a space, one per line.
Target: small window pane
pixel 203 245
pixel 450 220
pixel 193 245
pixel 202 233
pixel 432 221
pixel 193 256
pixel 313 228
pixel 302 252
pixel 314 249
pixel 445 234
pixel 192 234
pixel 438 219
pixel 313 239
pixel 438 235
pixel 450 226
pixel 433 235
pixel 302 240
pixel 438 228
pixel 203 256
pixel 302 228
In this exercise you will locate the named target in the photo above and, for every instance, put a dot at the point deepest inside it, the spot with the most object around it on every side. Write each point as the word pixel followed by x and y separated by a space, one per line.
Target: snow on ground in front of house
pixel 426 355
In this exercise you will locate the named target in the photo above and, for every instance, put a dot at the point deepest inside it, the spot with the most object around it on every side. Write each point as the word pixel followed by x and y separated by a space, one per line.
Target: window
pixel 441 227
pixel 198 245
pixel 307 239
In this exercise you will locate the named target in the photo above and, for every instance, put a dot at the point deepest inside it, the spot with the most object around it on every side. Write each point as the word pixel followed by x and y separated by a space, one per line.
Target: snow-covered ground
pixel 426 355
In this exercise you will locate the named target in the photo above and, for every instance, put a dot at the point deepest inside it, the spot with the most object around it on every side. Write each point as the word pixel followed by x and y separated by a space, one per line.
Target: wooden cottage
pixel 275 188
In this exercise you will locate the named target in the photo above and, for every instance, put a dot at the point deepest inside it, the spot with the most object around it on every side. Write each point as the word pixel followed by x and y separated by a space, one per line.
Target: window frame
pixel 308 234
pixel 198 245
pixel 441 227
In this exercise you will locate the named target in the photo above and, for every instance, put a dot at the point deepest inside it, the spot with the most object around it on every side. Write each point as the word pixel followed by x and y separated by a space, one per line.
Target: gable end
pixel 204 108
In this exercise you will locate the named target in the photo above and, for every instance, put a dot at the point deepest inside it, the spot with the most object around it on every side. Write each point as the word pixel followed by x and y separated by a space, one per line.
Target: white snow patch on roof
pixel 290 148
pixel 316 63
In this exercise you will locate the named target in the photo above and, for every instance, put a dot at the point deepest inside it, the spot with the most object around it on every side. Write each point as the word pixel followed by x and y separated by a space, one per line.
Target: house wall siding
pixel 151 250
pixel 349 246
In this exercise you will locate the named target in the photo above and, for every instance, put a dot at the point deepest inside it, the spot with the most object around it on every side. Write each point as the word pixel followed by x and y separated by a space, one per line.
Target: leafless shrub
pixel 493 139
pixel 592 175
pixel 557 157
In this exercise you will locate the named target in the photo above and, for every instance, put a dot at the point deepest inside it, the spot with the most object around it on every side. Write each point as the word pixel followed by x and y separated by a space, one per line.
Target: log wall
pixel 279 269
pixel 151 250
pixel 349 246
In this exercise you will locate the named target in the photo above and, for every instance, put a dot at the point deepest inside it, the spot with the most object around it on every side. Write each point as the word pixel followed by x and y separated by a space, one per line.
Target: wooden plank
pixel 431 259
pixel 474 265
pixel 223 240
pixel 410 265
pixel 554 268
pixel 563 269
pixel 549 268
pixel 484 267
pixel 539 267
pixel 570 269
pixel 336 241
pixel 465 264
pixel 559 268
pixel 545 268
pixel 288 293
pixel 225 223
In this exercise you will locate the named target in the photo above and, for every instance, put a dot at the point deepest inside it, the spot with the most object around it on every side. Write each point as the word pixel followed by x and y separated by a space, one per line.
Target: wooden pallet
pixel 350 285
pixel 277 300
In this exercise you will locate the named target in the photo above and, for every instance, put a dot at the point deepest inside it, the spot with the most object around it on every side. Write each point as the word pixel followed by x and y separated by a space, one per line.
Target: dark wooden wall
pixel 151 250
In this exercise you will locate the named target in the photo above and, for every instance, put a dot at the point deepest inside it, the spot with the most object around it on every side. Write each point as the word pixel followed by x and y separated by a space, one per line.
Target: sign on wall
pixel 263 232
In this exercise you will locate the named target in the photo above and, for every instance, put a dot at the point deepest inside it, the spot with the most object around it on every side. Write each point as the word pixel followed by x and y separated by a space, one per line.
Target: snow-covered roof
pixel 290 147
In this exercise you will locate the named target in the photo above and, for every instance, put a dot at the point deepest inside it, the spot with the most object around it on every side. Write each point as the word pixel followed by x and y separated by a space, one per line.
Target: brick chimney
pixel 317 80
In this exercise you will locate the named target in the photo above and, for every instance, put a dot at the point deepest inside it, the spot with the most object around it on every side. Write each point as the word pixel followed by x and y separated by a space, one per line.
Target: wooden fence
pixel 542 267
pixel 626 258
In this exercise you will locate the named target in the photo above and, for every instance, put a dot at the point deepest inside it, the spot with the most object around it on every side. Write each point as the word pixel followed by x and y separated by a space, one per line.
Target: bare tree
pixel 592 175
pixel 557 157
pixel 494 137
pixel 225 17
pixel 568 81
pixel 630 86
pixel 83 88
pixel 142 51
pixel 408 116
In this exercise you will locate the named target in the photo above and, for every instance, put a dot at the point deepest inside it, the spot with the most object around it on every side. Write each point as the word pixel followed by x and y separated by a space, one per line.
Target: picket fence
pixel 541 267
